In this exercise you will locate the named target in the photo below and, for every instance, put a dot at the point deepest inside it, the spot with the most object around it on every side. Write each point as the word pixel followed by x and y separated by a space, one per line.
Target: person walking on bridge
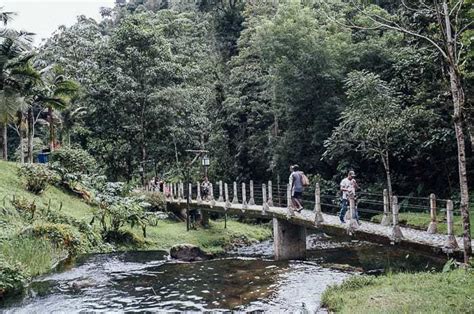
pixel 348 189
pixel 296 184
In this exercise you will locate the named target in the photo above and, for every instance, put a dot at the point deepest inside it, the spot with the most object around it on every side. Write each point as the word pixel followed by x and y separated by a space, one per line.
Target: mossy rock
pixel 123 237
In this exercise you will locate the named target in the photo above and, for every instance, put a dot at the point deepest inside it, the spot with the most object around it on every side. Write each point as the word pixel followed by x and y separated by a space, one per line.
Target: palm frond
pixel 6 16
pixel 54 102
pixel 66 88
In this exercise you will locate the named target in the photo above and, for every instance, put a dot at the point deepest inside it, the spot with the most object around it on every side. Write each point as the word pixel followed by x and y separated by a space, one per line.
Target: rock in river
pixel 189 253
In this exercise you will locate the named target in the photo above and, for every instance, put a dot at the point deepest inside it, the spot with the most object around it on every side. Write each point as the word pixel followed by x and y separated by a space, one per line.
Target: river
pixel 246 279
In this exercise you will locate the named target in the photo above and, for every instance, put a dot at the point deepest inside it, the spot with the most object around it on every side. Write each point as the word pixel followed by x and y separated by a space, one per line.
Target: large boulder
pixel 189 253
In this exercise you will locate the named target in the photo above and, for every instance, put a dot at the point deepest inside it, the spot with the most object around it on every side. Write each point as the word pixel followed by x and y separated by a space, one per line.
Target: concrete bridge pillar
pixel 289 240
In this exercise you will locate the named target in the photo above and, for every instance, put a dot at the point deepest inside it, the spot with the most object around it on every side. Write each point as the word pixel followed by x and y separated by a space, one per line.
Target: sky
pixel 44 16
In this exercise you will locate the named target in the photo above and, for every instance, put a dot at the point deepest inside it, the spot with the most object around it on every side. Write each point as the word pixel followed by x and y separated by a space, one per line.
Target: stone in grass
pixel 189 253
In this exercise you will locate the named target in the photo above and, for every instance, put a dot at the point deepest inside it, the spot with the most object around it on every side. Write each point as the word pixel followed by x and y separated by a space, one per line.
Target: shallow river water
pixel 247 279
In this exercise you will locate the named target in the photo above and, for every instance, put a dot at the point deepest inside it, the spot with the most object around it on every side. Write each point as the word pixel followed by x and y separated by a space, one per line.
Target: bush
pixel 59 234
pixel 74 160
pixel 12 279
pixel 25 207
pixel 156 200
pixel 37 177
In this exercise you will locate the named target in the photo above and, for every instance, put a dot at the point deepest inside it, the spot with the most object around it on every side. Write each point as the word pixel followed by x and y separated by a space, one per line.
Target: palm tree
pixel 10 104
pixel 15 69
pixel 56 94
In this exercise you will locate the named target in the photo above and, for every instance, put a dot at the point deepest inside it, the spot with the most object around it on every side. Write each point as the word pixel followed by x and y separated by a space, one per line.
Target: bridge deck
pixel 367 230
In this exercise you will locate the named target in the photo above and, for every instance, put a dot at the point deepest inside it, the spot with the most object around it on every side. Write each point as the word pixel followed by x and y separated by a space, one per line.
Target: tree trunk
pixel 30 134
pixel 457 93
pixel 5 141
pixel 51 128
pixel 458 101
pixel 20 134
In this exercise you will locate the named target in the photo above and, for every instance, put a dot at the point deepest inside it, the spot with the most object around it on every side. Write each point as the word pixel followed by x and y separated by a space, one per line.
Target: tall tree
pixel 375 124
pixel 450 19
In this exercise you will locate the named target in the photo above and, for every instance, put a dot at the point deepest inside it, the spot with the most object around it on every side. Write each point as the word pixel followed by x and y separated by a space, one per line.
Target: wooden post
pixel 244 198
pixel 318 215
pixel 198 197
pixel 353 223
pixel 270 194
pixel 451 243
pixel 226 192
pixel 221 194
pixel 278 191
pixel 179 192
pixel 213 201
pixel 252 199
pixel 264 199
pixel 188 205
pixel 397 235
pixel 291 212
pixel 235 200
pixel 433 227
pixel 386 219
pixel 172 191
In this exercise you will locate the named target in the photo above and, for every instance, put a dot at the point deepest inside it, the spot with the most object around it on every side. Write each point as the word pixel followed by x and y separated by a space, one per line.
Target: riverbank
pixel 38 231
pixel 421 221
pixel 427 292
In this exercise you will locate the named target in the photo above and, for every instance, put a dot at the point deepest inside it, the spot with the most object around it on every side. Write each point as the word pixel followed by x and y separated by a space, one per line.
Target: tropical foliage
pixel 379 87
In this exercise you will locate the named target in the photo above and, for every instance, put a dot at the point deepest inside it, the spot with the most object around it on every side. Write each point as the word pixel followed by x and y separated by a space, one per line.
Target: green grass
pixel 37 256
pixel 422 220
pixel 451 292
pixel 11 185
pixel 213 239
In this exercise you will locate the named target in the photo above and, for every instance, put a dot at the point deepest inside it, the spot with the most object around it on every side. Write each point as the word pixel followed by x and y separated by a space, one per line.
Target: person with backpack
pixel 297 182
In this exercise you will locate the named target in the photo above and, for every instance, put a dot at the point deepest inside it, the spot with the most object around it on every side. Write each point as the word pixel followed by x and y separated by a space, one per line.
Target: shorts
pixel 297 195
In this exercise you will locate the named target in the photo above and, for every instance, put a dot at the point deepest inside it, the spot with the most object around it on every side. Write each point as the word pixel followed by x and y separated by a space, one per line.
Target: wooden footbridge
pixel 289 226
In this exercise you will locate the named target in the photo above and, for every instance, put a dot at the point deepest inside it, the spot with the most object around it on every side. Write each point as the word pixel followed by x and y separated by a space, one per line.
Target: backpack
pixel 304 180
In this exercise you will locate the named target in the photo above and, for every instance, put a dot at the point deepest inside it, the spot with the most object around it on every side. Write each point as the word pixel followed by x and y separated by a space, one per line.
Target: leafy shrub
pixel 12 279
pixel 74 160
pixel 37 177
pixel 25 207
pixel 128 211
pixel 59 234
pixel 156 200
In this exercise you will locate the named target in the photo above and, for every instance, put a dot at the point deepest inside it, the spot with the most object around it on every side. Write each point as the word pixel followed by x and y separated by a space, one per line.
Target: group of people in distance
pixel 298 181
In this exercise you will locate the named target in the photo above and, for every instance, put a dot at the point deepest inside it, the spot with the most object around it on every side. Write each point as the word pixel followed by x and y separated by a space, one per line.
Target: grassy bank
pixel 33 241
pixel 451 292
pixel 213 239
pixel 422 221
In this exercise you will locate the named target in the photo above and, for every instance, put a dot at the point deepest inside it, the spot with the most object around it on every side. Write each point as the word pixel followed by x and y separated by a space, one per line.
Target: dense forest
pixel 330 85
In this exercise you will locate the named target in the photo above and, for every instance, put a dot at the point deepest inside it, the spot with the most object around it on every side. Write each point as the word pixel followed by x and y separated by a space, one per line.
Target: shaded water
pixel 247 280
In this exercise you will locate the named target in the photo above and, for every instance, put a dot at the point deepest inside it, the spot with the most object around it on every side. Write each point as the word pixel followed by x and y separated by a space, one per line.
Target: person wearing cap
pixel 348 188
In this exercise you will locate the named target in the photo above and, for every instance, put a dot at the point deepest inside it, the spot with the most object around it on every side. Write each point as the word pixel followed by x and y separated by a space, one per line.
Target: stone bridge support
pixel 289 240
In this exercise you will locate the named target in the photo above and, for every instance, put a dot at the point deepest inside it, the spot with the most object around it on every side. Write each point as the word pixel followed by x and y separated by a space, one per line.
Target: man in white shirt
pixel 348 188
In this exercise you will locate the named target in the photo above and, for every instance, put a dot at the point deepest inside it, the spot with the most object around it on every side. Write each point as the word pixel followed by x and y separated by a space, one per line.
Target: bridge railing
pixel 369 204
